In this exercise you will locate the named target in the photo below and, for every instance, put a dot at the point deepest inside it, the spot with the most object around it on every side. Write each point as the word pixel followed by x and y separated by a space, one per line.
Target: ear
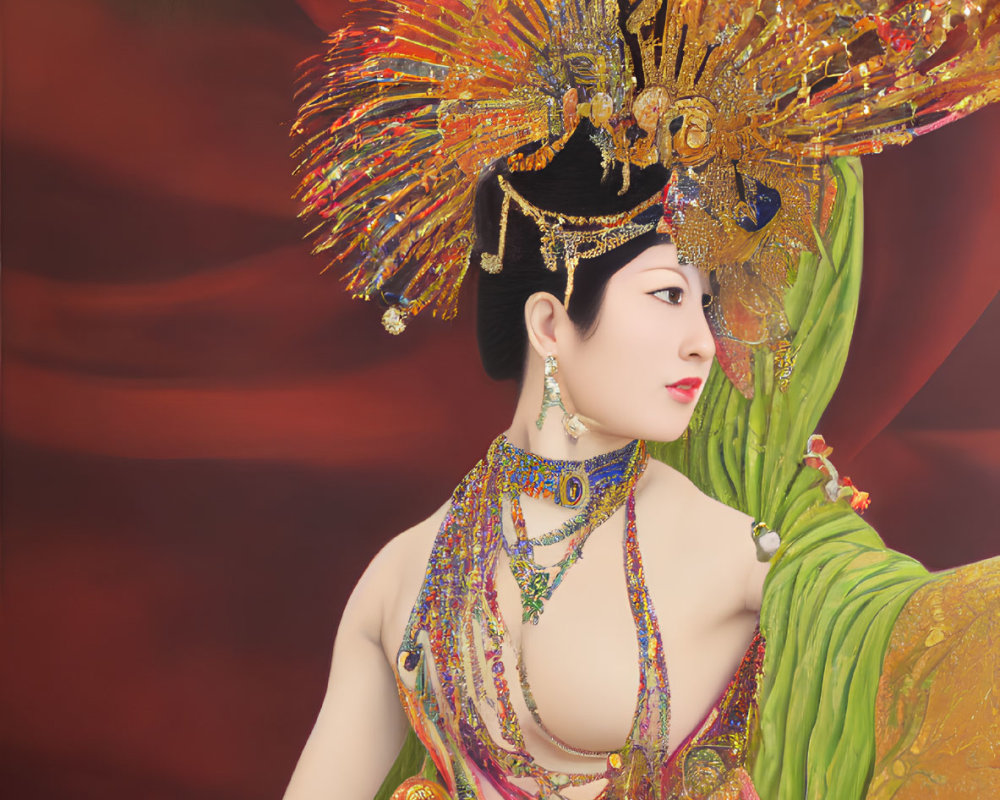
pixel 545 319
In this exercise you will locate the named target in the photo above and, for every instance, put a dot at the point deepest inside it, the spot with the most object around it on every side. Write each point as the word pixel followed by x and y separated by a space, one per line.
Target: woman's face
pixel 640 370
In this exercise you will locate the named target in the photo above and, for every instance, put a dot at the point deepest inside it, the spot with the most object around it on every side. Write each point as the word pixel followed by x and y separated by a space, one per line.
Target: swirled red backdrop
pixel 205 441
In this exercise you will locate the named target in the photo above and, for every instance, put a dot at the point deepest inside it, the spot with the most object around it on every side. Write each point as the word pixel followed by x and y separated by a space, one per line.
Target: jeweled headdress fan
pixel 743 101
pixel 404 116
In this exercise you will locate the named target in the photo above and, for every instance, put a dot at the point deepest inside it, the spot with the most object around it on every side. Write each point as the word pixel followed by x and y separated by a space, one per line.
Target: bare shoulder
pixel 394 576
pixel 399 554
pixel 706 528
pixel 715 522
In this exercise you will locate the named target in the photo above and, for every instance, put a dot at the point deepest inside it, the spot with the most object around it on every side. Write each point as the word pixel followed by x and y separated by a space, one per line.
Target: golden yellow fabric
pixel 937 712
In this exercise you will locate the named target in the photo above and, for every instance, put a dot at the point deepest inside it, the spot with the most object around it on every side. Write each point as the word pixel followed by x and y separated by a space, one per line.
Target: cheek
pixel 624 358
pixel 647 341
pixel 622 343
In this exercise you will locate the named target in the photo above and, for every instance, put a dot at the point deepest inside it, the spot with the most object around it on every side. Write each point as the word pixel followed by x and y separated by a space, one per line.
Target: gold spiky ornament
pixel 745 102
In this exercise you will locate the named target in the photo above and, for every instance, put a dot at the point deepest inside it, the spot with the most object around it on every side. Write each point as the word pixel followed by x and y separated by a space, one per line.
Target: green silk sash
pixel 834 591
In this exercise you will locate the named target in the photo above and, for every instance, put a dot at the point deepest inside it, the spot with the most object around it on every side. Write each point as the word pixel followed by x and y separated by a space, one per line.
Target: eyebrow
pixel 674 269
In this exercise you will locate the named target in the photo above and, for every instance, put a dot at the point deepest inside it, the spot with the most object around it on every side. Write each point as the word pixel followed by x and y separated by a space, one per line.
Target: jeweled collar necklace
pixel 568 483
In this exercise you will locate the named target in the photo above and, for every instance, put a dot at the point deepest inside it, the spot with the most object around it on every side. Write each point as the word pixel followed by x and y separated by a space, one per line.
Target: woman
pixel 632 350
pixel 584 294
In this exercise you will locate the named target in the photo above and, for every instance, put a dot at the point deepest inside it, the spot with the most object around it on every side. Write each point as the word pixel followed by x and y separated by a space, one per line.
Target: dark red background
pixel 205 441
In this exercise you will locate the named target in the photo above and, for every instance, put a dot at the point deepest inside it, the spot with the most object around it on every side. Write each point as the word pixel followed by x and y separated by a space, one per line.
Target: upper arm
pixel 748 572
pixel 755 583
pixel 361 724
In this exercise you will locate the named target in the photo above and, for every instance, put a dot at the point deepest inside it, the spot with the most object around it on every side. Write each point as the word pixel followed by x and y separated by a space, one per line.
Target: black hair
pixel 574 183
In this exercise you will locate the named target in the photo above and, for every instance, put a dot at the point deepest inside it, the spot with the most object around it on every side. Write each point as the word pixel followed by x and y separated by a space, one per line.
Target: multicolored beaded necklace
pixel 453 647
pixel 599 485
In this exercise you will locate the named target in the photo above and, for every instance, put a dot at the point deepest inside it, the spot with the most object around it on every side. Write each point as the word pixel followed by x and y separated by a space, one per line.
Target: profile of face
pixel 639 371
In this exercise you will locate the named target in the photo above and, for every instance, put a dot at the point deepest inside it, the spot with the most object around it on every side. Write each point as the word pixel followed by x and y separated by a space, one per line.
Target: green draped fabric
pixel 834 591
pixel 412 760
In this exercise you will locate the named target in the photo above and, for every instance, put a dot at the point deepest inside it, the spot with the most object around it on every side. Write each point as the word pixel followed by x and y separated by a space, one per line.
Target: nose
pixel 697 344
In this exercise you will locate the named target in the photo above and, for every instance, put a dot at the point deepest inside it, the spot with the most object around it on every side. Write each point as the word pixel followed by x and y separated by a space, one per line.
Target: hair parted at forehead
pixel 744 103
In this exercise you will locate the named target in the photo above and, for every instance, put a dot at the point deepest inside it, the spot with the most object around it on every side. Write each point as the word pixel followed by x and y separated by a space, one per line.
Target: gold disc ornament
pixel 417 788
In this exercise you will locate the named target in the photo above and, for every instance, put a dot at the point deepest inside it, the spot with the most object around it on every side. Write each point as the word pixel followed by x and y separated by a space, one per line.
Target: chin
pixel 665 435
pixel 658 430
pixel 669 424
pixel 652 422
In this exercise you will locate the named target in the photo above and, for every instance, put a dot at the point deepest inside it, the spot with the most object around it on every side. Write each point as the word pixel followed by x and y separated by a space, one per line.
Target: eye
pixel 672 295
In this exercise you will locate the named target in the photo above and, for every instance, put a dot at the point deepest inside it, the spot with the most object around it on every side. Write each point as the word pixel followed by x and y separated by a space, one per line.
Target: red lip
pixel 685 390
pixel 685 383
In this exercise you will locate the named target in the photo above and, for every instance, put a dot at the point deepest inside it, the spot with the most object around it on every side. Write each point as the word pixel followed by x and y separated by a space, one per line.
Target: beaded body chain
pixel 451 671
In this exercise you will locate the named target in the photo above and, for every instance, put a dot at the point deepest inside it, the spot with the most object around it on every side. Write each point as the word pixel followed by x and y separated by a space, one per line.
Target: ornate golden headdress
pixel 744 101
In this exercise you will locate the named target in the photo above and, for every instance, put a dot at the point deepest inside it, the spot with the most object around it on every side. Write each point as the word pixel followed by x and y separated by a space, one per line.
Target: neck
pixel 551 440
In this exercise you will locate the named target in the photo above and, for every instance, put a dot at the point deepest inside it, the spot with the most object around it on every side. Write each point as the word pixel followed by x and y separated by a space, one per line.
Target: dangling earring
pixel 552 398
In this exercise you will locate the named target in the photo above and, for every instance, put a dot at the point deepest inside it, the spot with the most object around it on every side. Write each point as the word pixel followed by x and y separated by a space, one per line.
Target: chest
pixel 582 660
